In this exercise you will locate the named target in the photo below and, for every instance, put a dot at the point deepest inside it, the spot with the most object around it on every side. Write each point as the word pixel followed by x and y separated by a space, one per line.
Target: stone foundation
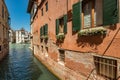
pixel 77 65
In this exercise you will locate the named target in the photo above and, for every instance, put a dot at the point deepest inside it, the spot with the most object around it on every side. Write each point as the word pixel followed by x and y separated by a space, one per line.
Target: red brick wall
pixel 53 56
pixel 78 67
pixel 96 44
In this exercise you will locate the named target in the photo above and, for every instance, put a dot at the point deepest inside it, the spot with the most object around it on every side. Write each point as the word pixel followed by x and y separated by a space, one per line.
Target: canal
pixel 20 64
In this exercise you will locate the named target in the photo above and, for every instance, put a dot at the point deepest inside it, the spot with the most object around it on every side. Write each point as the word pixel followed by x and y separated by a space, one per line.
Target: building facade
pixel 22 36
pixel 12 36
pixel 77 39
pixel 4 28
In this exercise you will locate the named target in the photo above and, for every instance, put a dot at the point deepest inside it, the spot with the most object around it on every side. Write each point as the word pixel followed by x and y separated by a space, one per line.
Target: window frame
pixel 92 14
pixel 61 25
pixel 0 48
pixel 42 12
pixel 105 67
pixel 62 56
pixel 46 6
pixel 64 20
pixel 3 11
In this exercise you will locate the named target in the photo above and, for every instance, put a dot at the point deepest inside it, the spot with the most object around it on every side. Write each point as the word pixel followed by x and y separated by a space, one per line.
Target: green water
pixel 20 64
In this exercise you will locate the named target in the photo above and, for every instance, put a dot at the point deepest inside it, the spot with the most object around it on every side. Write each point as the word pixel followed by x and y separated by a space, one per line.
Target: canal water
pixel 20 64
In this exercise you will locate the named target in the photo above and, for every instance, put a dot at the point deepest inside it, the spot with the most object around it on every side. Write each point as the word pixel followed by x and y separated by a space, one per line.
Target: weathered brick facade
pixel 4 28
pixel 79 61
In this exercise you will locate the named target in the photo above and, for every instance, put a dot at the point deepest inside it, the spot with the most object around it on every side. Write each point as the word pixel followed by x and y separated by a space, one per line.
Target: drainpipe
pixel 118 10
pixel 67 5
pixel 118 6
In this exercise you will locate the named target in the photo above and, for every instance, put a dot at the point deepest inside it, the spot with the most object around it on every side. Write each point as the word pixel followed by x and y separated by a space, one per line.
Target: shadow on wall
pixel 59 42
pixel 113 27
pixel 94 41
pixel 90 41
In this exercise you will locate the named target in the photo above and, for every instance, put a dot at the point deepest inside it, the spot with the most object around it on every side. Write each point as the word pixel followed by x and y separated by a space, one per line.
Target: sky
pixel 18 14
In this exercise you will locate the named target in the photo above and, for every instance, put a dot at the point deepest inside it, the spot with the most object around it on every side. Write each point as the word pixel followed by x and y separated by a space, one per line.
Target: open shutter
pixel 46 29
pixel 57 26
pixel 65 23
pixel 76 17
pixel 110 12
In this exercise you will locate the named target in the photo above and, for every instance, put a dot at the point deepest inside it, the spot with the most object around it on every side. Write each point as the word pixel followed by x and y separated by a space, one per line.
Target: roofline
pixel 30 4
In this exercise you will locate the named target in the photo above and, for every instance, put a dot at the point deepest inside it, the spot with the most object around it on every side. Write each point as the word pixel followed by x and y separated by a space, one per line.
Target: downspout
pixel 118 10
pixel 67 5
pixel 118 6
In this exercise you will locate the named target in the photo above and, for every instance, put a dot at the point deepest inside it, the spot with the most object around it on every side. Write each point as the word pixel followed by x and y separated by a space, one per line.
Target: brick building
pixel 4 28
pixel 77 39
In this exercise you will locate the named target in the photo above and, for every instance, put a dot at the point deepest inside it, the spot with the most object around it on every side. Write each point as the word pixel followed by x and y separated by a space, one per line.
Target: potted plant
pixel 60 37
pixel 92 31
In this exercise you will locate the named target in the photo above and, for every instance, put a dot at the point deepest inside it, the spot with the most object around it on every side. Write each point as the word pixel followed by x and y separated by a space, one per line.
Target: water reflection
pixel 21 65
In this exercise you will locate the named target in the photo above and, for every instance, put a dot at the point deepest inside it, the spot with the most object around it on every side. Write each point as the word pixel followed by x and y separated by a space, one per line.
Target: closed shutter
pixel 57 26
pixel 46 29
pixel 76 17
pixel 41 31
pixel 65 23
pixel 110 12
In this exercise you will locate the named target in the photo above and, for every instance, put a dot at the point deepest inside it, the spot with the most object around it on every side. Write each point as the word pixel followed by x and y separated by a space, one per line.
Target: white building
pixel 22 36
pixel 12 36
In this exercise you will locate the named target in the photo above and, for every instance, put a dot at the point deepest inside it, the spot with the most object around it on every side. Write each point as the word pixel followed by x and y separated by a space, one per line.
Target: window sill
pixel 92 31
pixel 60 37
pixel 61 63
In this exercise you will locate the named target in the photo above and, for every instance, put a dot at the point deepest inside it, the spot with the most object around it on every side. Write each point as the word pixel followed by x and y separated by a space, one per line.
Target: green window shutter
pixel 76 17
pixel 41 31
pixel 46 29
pixel 65 23
pixel 110 12
pixel 57 26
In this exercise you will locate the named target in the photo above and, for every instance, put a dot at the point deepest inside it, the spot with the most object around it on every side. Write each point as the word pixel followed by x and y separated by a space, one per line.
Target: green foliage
pixel 46 37
pixel 60 36
pixel 92 31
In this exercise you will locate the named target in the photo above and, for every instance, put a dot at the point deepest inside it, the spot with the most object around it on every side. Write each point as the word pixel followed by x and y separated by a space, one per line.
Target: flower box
pixel 60 36
pixel 92 31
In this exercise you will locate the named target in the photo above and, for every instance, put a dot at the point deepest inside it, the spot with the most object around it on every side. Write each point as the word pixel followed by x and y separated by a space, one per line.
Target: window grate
pixel 62 55
pixel 106 67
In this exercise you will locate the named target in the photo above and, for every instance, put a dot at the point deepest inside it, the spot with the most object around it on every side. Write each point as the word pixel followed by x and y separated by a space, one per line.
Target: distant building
pixel 12 36
pixel 22 36
pixel 4 28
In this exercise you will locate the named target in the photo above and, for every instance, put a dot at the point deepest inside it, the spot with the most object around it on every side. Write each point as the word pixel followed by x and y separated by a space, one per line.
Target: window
pixel 46 49
pixel 44 31
pixel 89 13
pixel 42 12
pixel 2 11
pixel 106 67
pixel 0 48
pixel 46 6
pixel 62 56
pixel 42 49
pixel 92 13
pixel 61 25
pixel 87 9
